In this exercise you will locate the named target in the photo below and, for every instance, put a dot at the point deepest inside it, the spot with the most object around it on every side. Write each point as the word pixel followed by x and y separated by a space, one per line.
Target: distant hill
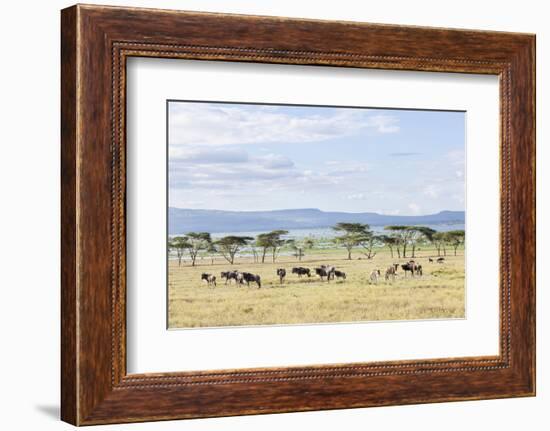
pixel 183 220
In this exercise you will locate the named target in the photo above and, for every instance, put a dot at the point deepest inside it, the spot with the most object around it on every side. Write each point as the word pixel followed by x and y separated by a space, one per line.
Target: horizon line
pixel 318 209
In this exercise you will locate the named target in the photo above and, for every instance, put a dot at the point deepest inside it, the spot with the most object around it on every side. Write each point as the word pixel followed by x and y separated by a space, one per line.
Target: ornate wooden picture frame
pixel 96 42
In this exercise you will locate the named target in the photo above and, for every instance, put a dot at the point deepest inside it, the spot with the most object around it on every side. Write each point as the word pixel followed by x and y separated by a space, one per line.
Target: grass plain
pixel 438 294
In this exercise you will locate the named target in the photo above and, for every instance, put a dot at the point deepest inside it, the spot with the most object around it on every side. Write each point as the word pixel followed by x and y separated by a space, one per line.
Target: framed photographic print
pixel 266 215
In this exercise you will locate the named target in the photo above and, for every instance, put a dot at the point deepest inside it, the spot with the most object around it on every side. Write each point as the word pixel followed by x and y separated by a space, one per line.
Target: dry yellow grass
pixel 439 293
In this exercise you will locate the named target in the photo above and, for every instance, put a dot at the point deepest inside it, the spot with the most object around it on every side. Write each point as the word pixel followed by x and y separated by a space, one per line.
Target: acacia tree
pixel 263 243
pixel 179 245
pixel 254 250
pixel 353 235
pixel 403 235
pixel 196 242
pixel 300 246
pixel 277 242
pixel 271 241
pixel 410 236
pixel 212 250
pixel 368 243
pixel 456 238
pixel 438 240
pixel 419 233
pixel 228 246
pixel 390 241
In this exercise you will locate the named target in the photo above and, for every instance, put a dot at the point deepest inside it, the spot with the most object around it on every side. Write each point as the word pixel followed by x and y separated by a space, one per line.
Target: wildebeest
pixel 430 259
pixel 391 272
pixel 409 266
pixel 300 270
pixel 340 274
pixel 229 275
pixel 412 267
pixel 374 276
pixel 325 271
pixel 440 259
pixel 321 272
pixel 247 277
pixel 281 272
pixel 209 278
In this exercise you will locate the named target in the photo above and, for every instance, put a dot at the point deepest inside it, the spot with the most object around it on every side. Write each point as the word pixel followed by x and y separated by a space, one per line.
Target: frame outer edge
pixel 69 201
pixel 529 61
pixel 523 216
pixel 532 82
pixel 88 397
pixel 533 54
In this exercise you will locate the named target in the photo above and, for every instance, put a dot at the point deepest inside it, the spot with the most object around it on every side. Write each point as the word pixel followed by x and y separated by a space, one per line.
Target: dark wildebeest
pixel 412 267
pixel 281 272
pixel 229 275
pixel 300 270
pixel 340 274
pixel 430 259
pixel 374 276
pixel 321 272
pixel 325 271
pixel 224 274
pixel 209 278
pixel 248 278
pixel 408 267
pixel 440 259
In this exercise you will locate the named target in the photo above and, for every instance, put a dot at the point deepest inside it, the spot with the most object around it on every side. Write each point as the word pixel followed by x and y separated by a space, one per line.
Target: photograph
pixel 300 214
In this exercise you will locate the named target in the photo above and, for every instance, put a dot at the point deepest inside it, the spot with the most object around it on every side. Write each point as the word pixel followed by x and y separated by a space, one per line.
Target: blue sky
pixel 263 157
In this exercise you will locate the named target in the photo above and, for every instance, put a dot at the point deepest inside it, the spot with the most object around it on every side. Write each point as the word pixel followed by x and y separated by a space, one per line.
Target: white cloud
pixel 203 155
pixel 191 203
pixel 459 198
pixel 216 125
pixel 275 161
pixel 384 123
pixel 415 208
pixel 405 154
pixel 357 196
pixel 339 168
pixel 432 191
pixel 456 158
pixel 215 168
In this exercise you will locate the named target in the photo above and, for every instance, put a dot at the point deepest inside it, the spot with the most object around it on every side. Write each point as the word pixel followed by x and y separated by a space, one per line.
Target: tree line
pixel 399 239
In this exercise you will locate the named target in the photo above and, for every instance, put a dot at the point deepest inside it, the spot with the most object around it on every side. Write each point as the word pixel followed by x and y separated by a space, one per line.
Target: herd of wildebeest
pixel 325 272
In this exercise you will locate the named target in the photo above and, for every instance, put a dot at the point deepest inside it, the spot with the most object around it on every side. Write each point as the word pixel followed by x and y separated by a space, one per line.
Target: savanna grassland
pixel 439 293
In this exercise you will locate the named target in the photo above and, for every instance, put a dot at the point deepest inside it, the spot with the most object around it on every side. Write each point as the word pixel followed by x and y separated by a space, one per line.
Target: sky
pixel 246 157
